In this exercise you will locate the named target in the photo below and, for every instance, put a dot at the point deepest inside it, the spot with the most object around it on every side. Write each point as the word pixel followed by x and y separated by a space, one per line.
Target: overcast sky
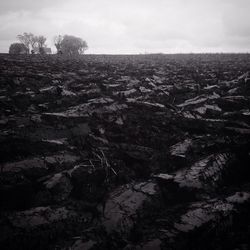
pixel 132 26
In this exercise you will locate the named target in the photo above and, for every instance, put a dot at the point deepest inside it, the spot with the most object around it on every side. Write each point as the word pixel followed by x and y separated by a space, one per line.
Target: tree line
pixel 30 43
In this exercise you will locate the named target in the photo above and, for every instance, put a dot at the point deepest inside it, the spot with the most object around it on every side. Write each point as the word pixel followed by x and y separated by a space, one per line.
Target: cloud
pixel 26 5
pixel 133 26
pixel 237 21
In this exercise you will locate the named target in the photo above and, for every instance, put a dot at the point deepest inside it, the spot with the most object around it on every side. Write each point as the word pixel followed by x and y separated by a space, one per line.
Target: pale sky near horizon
pixel 132 26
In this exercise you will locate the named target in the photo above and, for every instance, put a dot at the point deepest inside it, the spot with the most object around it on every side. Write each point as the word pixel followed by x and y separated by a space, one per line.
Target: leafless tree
pixel 27 39
pixel 58 42
pixel 41 41
pixel 32 42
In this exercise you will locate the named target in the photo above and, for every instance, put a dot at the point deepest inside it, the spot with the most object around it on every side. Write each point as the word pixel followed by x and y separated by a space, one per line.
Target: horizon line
pixel 148 53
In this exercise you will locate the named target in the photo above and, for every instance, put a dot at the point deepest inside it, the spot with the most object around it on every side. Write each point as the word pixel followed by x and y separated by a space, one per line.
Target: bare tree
pixel 58 42
pixel 41 41
pixel 33 42
pixel 27 39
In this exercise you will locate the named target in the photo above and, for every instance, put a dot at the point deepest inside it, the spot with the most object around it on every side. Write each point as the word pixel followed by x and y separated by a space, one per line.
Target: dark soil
pixel 125 152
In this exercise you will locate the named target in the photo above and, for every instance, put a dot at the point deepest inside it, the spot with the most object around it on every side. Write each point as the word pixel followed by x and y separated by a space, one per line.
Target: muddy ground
pixel 142 152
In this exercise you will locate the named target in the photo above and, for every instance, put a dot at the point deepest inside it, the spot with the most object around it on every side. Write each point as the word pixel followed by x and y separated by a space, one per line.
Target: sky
pixel 132 26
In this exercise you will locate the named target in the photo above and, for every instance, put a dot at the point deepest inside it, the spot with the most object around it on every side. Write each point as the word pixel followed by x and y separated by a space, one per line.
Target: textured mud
pixel 125 152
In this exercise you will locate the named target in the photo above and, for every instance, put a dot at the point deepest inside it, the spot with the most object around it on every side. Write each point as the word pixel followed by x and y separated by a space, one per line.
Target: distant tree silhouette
pixel 18 48
pixel 71 45
pixel 40 41
pixel 35 43
pixel 58 43
pixel 28 39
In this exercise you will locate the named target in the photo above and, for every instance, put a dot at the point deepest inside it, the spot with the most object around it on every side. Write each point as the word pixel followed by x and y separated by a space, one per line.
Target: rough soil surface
pixel 142 152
